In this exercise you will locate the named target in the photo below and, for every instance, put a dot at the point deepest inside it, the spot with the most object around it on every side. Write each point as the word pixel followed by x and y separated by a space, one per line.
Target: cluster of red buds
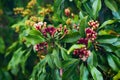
pixel 82 53
pixel 44 29
pixel 93 24
pixel 90 34
pixel 39 25
pixel 83 41
pixel 62 30
pixel 51 30
pixel 41 46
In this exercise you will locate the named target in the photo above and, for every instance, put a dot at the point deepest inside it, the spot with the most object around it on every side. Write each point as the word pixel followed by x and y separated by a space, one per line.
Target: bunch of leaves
pixel 103 62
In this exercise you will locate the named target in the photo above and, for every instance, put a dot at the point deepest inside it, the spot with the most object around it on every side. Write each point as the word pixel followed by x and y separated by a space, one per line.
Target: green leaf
pixel 117 60
pixel 69 67
pixel 5 75
pixel 103 65
pixel 117 43
pixel 83 72
pixel 38 69
pixel 42 76
pixel 89 44
pixel 116 14
pixel 117 52
pixel 96 74
pixel 35 32
pixel 88 9
pixel 81 15
pixel 110 39
pixel 24 59
pixel 92 59
pixel 78 3
pixel 117 76
pixel 108 47
pixel 69 62
pixel 16 60
pixel 112 63
pixel 83 1
pixel 11 48
pixel 20 23
pixel 56 58
pixel 50 61
pixel 75 46
pixel 111 4
pixel 58 9
pixel 2 45
pixel 96 7
pixel 71 37
pixel 64 54
pixel 57 75
pixel 83 23
pixel 108 22
pixel 34 39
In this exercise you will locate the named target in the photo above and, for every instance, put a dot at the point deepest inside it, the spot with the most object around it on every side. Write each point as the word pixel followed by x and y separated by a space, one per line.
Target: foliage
pixel 64 39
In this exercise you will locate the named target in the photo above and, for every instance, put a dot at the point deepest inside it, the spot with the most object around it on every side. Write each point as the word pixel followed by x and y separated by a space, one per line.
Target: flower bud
pixel 82 53
pixel 90 34
pixel 83 41
pixel 38 25
pixel 93 24
pixel 67 12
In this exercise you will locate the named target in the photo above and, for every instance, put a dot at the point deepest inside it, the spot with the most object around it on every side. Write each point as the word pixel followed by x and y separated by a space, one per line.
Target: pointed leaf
pixel 96 7
pixel 96 74
pixel 83 72
pixel 71 37
pixel 56 58
pixel 83 24
pixel 112 63
pixel 107 23
pixel 111 4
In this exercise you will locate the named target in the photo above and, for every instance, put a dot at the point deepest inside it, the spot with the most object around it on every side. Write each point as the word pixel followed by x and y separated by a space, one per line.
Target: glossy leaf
pixel 64 54
pixel 96 7
pixel 24 59
pixel 107 39
pixel 96 74
pixel 108 22
pixel 50 60
pixel 82 27
pixel 71 37
pixel 69 68
pixel 35 32
pixel 111 5
pixel 33 39
pixel 109 47
pixel 88 9
pixel 83 72
pixel 112 63
pixel 117 52
pixel 11 48
pixel 117 60
pixel 57 60
pixel 92 59
pixel 16 60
